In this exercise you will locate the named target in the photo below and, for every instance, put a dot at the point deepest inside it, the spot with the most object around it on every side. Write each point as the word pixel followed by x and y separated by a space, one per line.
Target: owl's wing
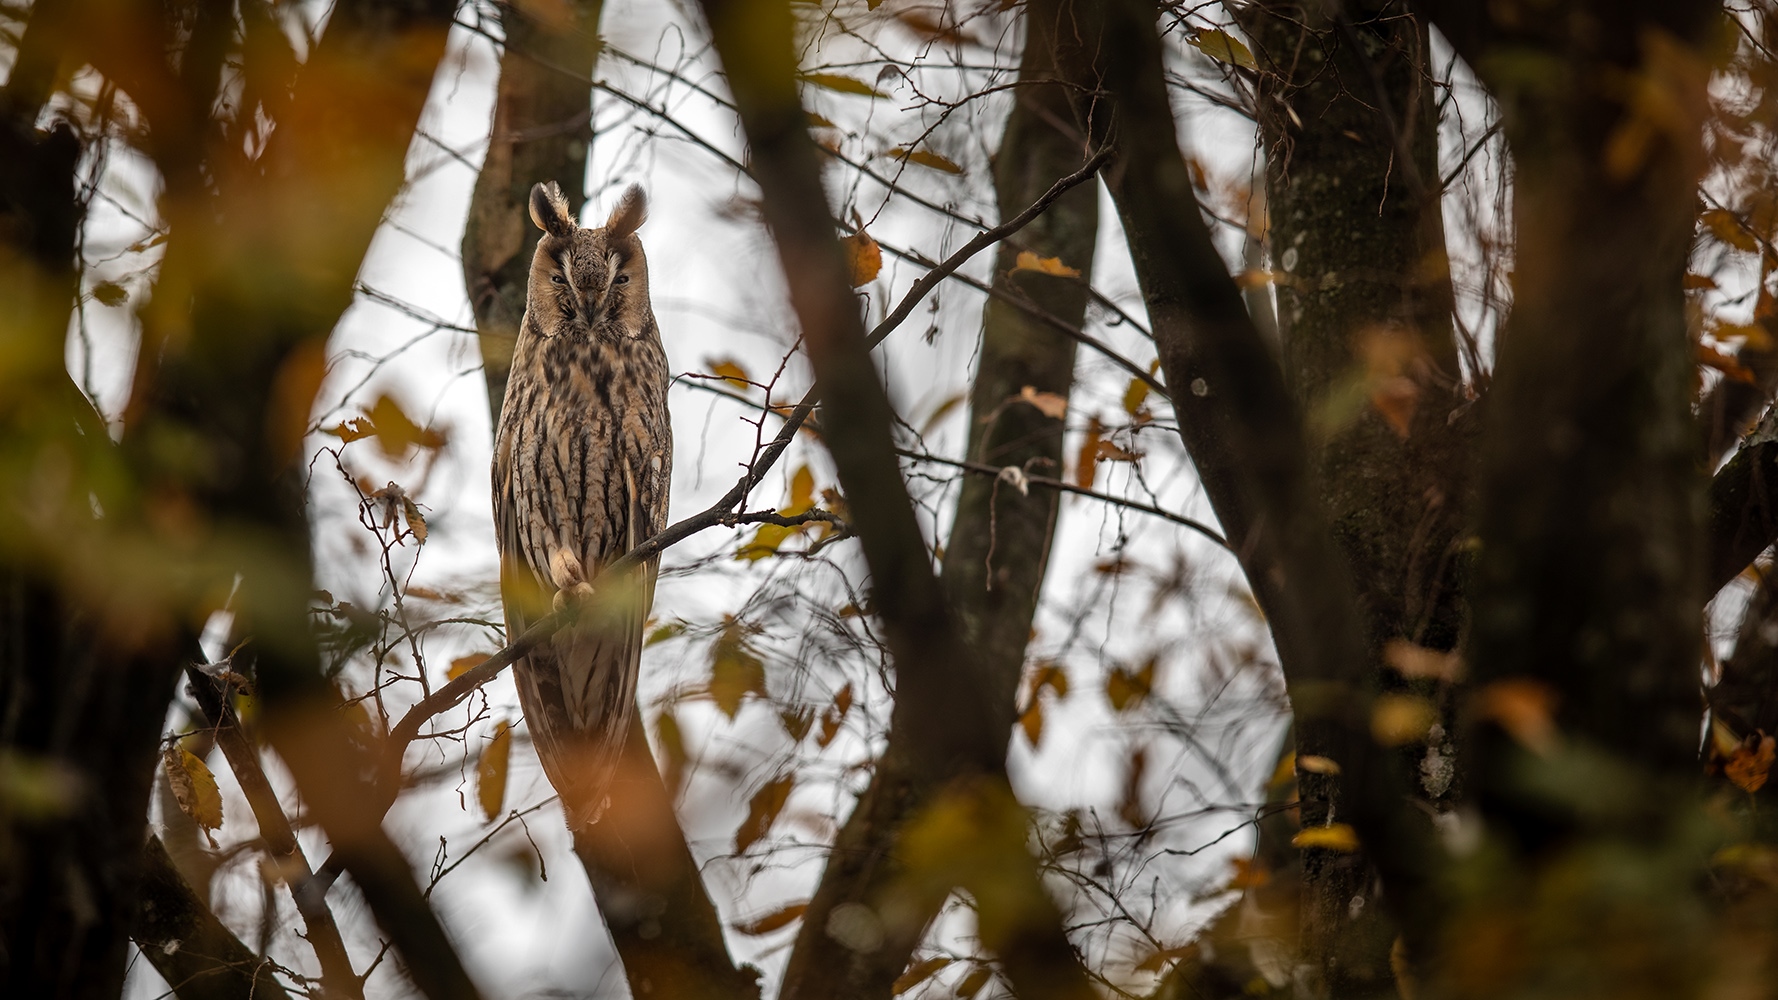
pixel 525 595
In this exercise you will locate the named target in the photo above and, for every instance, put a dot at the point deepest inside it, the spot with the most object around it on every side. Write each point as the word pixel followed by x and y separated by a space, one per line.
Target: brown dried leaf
pixel 1525 708
pixel 973 981
pixel 1159 958
pixel 1086 461
pixel 1129 806
pixel 926 158
pixel 1418 662
pixel 778 919
pixel 1050 404
pixel 1126 688
pixel 1751 763
pixel 730 371
pixel 1723 224
pixel 834 715
pixel 840 84
pixel 918 973
pixel 1031 722
pixel 416 521
pixel 762 810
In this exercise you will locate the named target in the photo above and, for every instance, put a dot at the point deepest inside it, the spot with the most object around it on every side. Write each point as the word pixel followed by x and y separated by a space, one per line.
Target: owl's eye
pixel 558 279
pixel 622 279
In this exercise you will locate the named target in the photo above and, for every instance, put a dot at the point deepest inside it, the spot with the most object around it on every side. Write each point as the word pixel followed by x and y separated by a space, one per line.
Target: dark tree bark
pixel 1590 485
pixel 1350 132
pixel 954 763
pixel 651 893
pixel 543 125
pixel 1000 539
pixel 253 280
pixel 1241 425
pixel 197 956
pixel 79 748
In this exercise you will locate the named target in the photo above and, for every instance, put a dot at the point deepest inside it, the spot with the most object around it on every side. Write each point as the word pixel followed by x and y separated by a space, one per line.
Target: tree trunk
pixel 543 125
pixel 1000 539
pixel 1350 133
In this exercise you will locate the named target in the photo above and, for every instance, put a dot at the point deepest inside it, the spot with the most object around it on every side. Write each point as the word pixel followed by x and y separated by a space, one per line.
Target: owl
pixel 582 459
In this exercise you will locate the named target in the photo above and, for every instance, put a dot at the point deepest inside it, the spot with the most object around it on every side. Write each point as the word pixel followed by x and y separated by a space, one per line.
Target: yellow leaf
pixel 1418 662
pixel 1697 282
pixel 841 84
pixel 1135 395
pixel 766 542
pixel 1050 404
pixel 802 492
pixel 1397 719
pixel 918 973
pixel 490 772
pixel 1028 261
pixel 816 121
pixel 762 810
pixel 775 920
pixel 730 371
pixel 925 158
pixel 464 664
pixel 664 631
pixel 735 671
pixel 1333 837
pixel 1224 48
pixel 194 787
pixel 864 259
pixel 1315 764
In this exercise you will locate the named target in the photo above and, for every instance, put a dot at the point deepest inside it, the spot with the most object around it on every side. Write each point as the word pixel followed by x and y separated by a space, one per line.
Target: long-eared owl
pixel 582 460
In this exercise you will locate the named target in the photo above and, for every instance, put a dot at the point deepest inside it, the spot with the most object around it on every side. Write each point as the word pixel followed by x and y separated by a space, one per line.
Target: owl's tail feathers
pixel 578 759
pixel 579 695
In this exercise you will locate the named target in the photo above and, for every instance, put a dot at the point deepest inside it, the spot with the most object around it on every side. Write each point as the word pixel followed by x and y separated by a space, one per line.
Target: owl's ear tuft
pixel 549 209
pixel 629 215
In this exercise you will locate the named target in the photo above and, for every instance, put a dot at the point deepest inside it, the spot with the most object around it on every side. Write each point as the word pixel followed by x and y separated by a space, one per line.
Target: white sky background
pixel 717 293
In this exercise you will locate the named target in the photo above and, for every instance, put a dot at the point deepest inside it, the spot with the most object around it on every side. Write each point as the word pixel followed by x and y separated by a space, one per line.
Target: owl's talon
pixel 576 594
